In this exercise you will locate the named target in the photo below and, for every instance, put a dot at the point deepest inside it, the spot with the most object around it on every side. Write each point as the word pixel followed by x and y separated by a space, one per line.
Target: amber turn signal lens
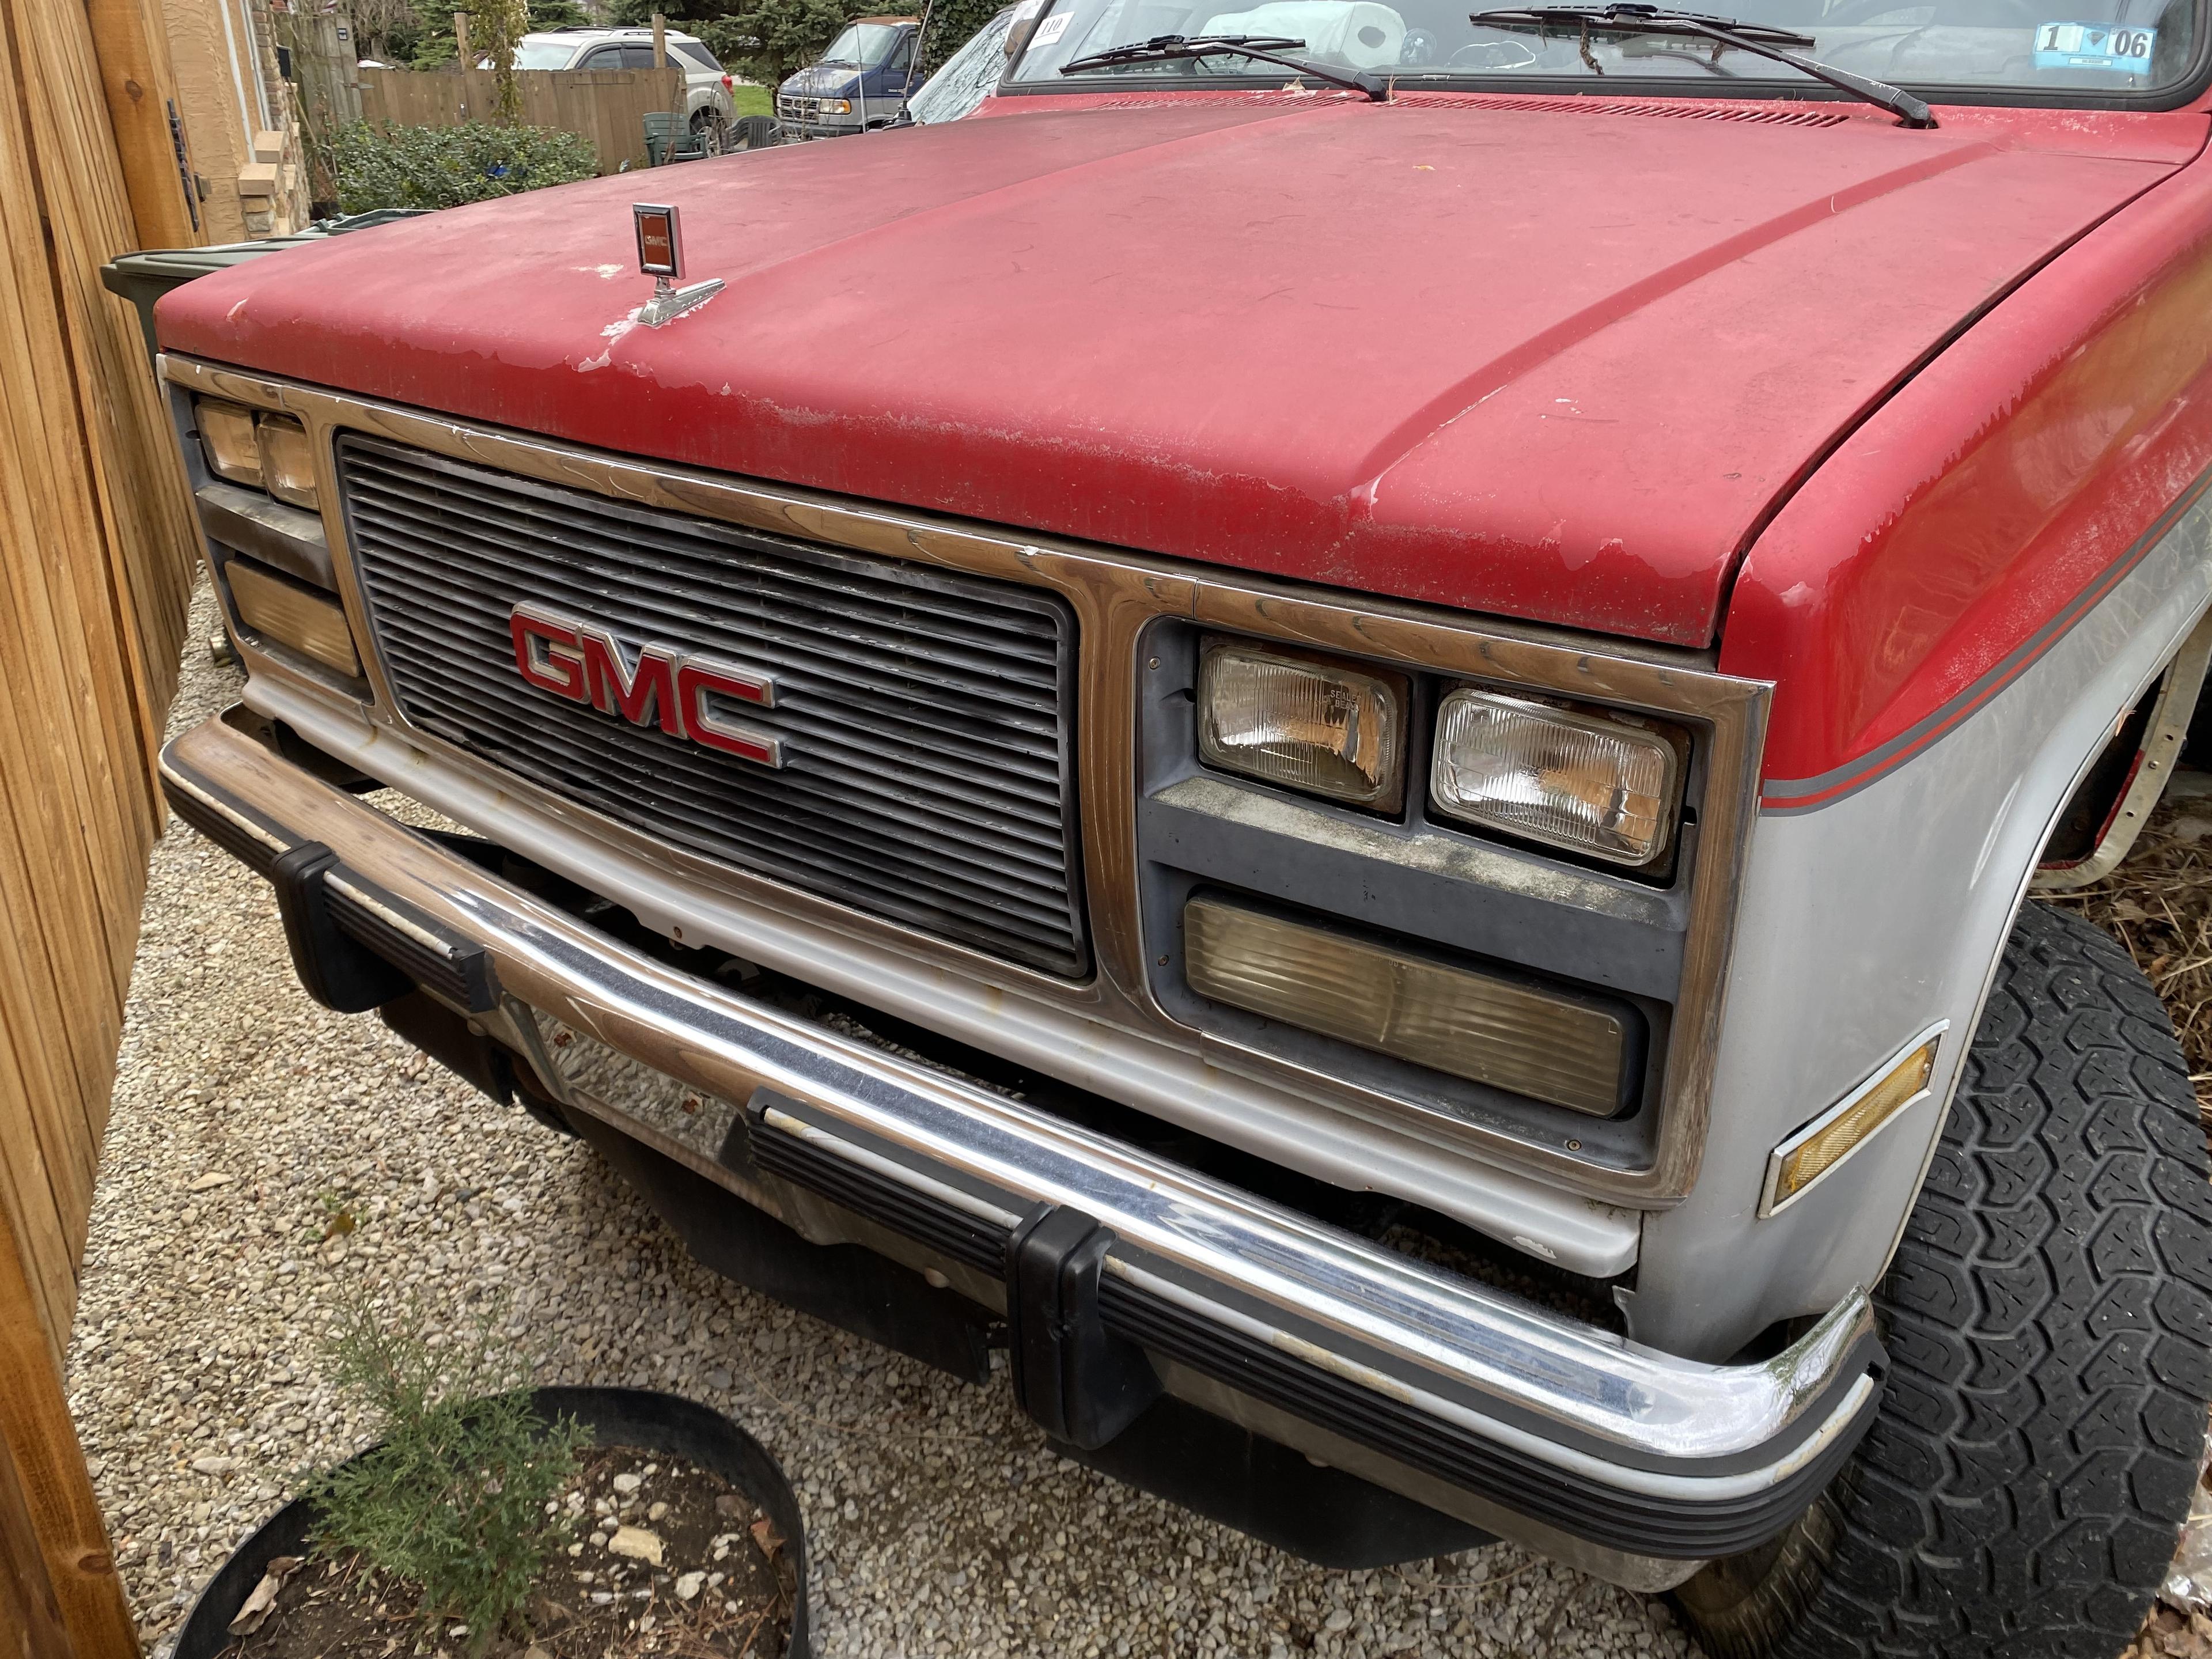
pixel 1833 1136
pixel 1482 1027
pixel 228 441
pixel 278 608
pixel 288 465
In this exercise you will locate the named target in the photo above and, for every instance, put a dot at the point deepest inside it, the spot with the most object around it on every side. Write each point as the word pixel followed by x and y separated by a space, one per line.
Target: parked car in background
pixel 863 81
pixel 964 79
pixel 707 85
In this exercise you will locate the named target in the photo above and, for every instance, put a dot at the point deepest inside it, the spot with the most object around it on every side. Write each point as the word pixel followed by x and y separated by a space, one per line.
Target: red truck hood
pixel 1536 357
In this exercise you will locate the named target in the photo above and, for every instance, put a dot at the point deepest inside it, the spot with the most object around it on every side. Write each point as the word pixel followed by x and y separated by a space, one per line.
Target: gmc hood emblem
pixel 664 687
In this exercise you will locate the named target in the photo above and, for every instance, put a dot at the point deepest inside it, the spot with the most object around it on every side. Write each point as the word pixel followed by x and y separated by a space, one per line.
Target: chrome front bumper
pixel 1629 1462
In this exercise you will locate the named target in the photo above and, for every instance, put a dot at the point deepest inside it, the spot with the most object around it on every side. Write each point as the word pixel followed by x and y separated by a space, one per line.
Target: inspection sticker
pixel 2094 46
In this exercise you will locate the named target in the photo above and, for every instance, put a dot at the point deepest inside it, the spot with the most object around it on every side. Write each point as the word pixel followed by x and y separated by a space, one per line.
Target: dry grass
pixel 2159 904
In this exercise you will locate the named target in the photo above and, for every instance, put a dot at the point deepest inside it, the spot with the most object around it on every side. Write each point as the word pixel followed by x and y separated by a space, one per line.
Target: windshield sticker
pixel 2094 46
pixel 1051 29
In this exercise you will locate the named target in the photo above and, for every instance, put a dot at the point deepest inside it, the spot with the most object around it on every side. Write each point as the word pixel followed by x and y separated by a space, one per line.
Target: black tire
pixel 711 132
pixel 2048 1322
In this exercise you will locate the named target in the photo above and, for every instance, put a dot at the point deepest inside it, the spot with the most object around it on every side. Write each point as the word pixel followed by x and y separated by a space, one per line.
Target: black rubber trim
pixel 454 967
pixel 1590 1509
pixel 964 1237
pixel 188 797
pixel 1583 1506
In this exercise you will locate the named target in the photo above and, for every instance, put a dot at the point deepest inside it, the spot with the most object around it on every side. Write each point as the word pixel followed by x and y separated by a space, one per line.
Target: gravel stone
pixel 942 1523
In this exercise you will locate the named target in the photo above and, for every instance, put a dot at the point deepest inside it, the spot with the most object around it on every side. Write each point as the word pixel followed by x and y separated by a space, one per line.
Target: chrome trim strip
pixel 1115 594
pixel 1453 1335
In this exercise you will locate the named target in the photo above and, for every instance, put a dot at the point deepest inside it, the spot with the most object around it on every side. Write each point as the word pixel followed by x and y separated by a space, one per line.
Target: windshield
pixel 865 44
pixel 966 78
pixel 543 54
pixel 2100 47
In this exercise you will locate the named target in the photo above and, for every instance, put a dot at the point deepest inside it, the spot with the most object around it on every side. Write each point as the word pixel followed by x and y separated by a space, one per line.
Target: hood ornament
pixel 660 256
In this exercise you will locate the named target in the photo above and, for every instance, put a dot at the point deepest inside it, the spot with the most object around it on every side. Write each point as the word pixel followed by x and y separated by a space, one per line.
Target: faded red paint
pixel 1556 365
pixel 2012 483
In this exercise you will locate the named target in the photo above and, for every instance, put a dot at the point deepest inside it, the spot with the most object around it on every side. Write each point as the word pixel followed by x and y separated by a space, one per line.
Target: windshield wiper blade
pixel 1266 48
pixel 1624 17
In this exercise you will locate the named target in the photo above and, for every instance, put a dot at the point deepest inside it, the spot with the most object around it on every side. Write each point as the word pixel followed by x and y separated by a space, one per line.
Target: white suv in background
pixel 707 85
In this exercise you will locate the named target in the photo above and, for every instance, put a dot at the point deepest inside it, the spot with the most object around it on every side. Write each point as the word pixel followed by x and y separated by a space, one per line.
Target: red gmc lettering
pixel 548 652
pixel 585 663
pixel 694 678
pixel 635 695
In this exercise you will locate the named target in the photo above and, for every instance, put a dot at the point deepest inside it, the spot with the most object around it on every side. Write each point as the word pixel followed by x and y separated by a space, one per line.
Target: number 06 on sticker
pixel 2094 46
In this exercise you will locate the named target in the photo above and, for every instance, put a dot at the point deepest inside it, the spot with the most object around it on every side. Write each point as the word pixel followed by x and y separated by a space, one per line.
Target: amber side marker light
pixel 1489 1029
pixel 1844 1127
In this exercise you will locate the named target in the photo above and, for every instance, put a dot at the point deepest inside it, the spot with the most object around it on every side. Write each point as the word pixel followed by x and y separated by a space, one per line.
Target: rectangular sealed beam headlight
pixel 1306 723
pixel 1589 783
pixel 292 613
pixel 288 465
pixel 1485 1028
pixel 1844 1127
pixel 228 441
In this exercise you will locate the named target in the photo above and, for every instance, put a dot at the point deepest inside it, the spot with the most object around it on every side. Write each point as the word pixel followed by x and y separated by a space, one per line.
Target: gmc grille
pixel 927 717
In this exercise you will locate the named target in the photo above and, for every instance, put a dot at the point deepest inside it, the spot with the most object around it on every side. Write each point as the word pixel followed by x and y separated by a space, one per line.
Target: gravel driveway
pixel 246 1118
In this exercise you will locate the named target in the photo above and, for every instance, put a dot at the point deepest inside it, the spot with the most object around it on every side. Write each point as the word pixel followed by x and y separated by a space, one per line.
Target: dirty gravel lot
pixel 247 1119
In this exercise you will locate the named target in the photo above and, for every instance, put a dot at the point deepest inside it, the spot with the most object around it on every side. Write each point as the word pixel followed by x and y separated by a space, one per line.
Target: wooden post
pixel 48 1464
pixel 141 88
pixel 660 41
pixel 461 39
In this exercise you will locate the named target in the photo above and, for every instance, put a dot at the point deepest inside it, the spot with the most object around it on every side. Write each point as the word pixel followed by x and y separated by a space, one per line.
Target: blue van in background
pixel 862 80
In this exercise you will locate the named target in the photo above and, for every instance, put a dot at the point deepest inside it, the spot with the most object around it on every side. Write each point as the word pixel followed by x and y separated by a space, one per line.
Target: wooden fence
pixel 96 545
pixel 608 107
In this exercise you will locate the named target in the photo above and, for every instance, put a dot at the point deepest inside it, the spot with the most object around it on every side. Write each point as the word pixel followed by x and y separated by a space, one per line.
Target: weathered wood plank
pixel 29 1611
pixel 49 1464
pixel 141 84
pixel 97 544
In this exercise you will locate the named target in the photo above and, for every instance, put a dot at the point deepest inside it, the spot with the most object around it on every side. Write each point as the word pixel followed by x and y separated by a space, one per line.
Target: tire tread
pixel 2049 1319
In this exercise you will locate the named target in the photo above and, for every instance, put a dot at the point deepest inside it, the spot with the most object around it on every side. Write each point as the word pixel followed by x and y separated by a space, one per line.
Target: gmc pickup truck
pixel 1342 725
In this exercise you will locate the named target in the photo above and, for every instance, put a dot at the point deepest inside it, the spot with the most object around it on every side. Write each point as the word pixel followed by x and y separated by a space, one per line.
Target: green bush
pixel 458 1500
pixel 386 167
